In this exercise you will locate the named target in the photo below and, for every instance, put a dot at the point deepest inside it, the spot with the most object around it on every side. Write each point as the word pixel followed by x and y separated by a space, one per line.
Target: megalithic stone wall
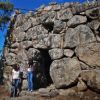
pixel 68 32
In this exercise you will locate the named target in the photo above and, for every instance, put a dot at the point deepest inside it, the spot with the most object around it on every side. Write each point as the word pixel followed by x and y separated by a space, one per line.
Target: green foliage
pixel 4 19
pixel 5 11
pixel 6 6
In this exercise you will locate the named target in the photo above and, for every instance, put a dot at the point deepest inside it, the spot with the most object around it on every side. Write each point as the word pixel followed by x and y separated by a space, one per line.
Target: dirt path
pixel 88 95
pixel 3 92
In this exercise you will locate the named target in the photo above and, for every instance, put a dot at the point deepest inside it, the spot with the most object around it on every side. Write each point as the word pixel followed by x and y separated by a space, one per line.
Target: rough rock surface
pixel 58 40
pixel 68 52
pixel 64 72
pixel 75 20
pixel 56 53
pixel 89 53
pixel 92 78
pixel 93 13
pixel 11 59
pixel 67 92
pixel 95 24
pixel 34 53
pixel 81 86
pixel 81 34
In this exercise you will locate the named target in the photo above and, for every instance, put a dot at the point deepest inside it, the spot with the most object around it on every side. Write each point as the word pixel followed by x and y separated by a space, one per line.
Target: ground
pixel 3 92
pixel 88 95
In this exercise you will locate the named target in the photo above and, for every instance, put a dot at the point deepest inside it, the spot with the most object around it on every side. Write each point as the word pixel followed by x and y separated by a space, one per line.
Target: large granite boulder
pixel 42 41
pixel 65 71
pixel 89 53
pixel 80 35
pixel 71 38
pixel 19 36
pixel 81 86
pixel 92 78
pixel 66 5
pixel 20 19
pixel 56 41
pixel 84 66
pixel 56 7
pixel 95 24
pixel 22 55
pixel 26 44
pixel 11 59
pixel 15 51
pixel 85 34
pixel 56 53
pixel 34 54
pixel 47 17
pixel 31 33
pixel 76 20
pixel 15 45
pixel 65 14
pixel 68 52
pixel 48 8
pixel 26 25
pixel 59 26
pixel 37 30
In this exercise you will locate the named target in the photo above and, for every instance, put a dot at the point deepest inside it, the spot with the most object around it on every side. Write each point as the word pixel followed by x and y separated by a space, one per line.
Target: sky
pixel 30 5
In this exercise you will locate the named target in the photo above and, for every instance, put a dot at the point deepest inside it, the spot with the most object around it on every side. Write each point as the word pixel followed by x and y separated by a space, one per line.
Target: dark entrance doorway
pixel 46 62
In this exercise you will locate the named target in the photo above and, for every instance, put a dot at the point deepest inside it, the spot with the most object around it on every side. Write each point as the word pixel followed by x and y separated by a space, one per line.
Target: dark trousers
pixel 14 88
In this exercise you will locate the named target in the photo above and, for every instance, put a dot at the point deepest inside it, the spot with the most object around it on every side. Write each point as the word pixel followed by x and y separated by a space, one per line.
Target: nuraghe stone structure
pixel 61 41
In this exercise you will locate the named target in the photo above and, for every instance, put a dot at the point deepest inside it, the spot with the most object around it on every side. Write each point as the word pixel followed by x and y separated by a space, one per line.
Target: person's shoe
pixel 31 90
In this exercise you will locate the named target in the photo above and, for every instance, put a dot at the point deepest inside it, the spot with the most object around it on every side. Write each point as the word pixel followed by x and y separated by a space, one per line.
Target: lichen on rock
pixel 59 40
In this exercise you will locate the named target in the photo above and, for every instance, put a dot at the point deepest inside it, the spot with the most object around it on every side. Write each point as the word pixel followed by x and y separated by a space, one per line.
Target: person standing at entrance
pixel 30 78
pixel 15 81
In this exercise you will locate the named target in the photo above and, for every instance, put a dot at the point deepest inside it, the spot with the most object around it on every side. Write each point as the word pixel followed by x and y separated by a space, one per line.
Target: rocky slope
pixel 61 41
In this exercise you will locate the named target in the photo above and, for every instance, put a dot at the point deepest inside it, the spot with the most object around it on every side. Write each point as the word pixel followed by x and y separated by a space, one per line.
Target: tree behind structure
pixel 5 11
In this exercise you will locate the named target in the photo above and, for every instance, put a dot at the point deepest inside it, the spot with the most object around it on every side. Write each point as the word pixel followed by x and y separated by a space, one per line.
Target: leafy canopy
pixel 5 11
